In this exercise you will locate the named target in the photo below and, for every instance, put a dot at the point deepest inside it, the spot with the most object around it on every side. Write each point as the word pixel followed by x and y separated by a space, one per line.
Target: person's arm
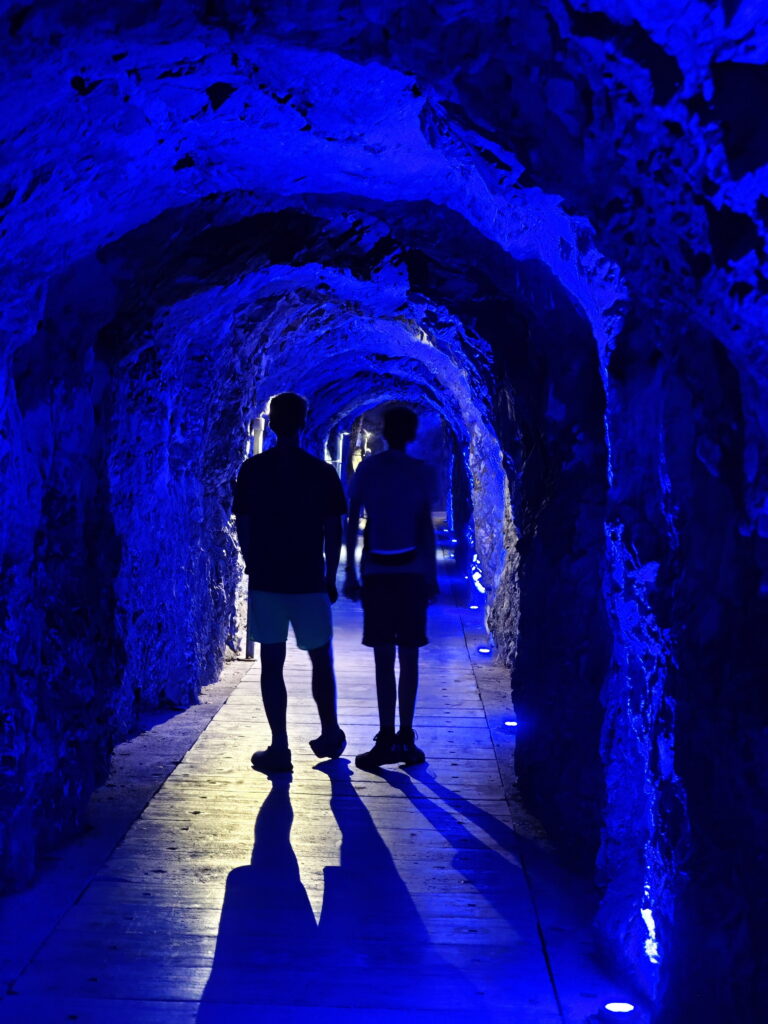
pixel 430 553
pixel 244 525
pixel 428 534
pixel 244 528
pixel 351 587
pixel 332 554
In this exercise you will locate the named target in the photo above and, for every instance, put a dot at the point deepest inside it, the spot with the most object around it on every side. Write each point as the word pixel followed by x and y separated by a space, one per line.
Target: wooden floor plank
pixel 330 896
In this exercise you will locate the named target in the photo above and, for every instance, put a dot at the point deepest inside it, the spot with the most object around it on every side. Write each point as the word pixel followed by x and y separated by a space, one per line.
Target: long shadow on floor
pixel 370 947
pixel 554 884
pixel 496 870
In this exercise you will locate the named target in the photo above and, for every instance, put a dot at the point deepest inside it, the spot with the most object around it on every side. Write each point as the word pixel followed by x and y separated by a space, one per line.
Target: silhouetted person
pixel 288 508
pixel 399 577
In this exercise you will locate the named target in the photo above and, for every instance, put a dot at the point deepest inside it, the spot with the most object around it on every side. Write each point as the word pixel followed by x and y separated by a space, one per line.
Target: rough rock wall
pixel 684 702
pixel 550 421
pixel 60 652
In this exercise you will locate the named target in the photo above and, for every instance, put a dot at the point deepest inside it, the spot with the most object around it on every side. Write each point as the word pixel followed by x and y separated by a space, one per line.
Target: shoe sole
pixel 271 769
pixel 335 752
pixel 366 765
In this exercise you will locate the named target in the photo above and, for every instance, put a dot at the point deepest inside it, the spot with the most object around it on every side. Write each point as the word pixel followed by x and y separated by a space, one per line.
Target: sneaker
pixel 384 751
pixel 272 761
pixel 324 746
pixel 409 752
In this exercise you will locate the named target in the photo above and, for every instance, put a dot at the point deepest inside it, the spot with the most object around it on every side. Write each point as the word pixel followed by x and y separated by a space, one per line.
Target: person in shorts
pixel 399 577
pixel 288 508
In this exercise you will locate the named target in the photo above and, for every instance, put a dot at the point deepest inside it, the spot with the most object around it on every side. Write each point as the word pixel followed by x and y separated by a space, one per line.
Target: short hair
pixel 287 412
pixel 400 424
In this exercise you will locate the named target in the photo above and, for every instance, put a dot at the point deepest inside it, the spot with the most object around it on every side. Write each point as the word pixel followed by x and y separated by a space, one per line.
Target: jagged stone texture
pixel 546 227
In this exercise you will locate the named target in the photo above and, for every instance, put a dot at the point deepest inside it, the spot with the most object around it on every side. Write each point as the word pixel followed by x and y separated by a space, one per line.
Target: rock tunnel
pixel 542 224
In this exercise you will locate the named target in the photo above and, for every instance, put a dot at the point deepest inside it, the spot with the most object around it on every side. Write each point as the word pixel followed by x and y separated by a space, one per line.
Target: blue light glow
pixel 651 943
pixel 477 574
pixel 583 338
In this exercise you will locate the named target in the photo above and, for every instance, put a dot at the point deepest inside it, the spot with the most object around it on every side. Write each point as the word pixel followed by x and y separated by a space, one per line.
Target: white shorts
pixel 270 614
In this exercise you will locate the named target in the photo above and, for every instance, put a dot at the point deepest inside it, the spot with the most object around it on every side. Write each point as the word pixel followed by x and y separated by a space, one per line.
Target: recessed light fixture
pixel 619 1007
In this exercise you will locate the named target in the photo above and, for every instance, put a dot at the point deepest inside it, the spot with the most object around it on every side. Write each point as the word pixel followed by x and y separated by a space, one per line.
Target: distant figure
pixel 288 508
pixel 399 577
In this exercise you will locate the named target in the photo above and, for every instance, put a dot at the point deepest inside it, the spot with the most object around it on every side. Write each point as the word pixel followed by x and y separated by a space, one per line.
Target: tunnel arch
pixel 212 270
pixel 134 131
pixel 461 325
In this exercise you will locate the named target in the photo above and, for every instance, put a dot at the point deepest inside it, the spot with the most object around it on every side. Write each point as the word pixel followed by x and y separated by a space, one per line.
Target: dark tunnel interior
pixel 541 226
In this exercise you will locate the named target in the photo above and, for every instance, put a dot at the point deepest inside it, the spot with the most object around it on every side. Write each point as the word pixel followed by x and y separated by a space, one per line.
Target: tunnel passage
pixel 592 160
pixel 280 326
pixel 213 313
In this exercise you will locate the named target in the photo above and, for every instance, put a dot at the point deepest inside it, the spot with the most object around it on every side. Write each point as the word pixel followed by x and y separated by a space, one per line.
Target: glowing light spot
pixel 511 724
pixel 619 1007
pixel 473 607
pixel 484 650
pixel 651 943
pixel 477 574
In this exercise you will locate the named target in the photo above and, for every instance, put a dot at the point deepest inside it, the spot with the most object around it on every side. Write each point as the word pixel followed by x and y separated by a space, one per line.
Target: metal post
pixel 257 437
pixel 449 497
pixel 338 461
pixel 255 445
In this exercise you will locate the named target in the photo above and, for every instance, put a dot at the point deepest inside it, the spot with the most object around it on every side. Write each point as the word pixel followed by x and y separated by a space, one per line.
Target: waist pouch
pixel 396 558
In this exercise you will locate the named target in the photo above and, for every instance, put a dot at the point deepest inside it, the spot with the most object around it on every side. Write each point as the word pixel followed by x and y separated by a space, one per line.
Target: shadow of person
pixel 564 904
pixel 495 869
pixel 266 919
pixel 499 831
pixel 370 948
pixel 378 947
pixel 574 899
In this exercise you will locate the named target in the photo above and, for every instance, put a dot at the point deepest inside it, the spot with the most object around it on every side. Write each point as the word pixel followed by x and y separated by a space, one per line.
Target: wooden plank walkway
pixel 334 895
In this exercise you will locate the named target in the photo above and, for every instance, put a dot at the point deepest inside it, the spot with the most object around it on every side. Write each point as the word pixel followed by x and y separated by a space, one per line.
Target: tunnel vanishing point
pixel 543 223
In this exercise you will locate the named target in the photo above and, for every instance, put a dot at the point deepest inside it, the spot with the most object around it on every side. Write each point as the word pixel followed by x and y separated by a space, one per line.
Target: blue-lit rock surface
pixel 549 229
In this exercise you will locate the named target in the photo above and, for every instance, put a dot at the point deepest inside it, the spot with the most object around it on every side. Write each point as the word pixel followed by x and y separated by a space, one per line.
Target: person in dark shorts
pixel 288 508
pixel 399 576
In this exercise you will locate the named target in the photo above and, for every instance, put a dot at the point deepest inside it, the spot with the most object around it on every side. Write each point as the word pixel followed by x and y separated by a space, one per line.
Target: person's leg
pixel 408 685
pixel 385 750
pixel 310 616
pixel 386 690
pixel 324 688
pixel 273 692
pixel 378 634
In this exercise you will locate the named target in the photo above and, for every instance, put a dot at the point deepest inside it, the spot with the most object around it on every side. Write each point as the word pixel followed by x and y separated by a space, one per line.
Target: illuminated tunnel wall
pixel 546 224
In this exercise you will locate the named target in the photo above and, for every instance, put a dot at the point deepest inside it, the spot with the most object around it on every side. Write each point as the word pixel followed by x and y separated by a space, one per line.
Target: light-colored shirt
pixel 396 492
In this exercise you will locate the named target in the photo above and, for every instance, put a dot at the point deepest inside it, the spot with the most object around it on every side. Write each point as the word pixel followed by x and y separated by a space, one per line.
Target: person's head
pixel 287 414
pixel 400 425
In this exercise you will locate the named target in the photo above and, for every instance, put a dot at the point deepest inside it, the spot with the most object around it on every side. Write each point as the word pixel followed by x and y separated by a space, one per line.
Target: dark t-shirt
pixel 287 494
